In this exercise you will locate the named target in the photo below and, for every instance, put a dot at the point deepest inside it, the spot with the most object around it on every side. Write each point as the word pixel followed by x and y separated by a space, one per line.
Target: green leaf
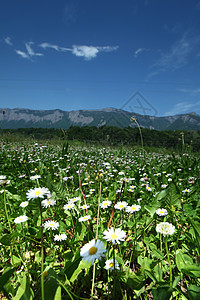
pixel 182 260
pixel 196 228
pixel 161 195
pixel 58 293
pixel 82 265
pixel 176 281
pixel 162 293
pixel 51 284
pixel 24 291
pixel 70 267
pixel 6 239
pixel 5 277
pixel 16 260
pixel 191 270
pixel 193 292
pixel 136 282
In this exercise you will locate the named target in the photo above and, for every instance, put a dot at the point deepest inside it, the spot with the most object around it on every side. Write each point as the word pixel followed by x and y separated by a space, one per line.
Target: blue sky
pixel 140 55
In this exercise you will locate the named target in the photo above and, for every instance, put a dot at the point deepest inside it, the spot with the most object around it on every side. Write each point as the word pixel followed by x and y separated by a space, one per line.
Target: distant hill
pixel 27 118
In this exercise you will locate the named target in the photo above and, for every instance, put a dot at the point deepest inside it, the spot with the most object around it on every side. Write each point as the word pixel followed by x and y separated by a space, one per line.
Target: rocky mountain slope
pixel 25 118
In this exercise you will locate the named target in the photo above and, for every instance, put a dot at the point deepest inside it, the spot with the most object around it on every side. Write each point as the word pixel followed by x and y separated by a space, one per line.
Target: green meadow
pixel 82 221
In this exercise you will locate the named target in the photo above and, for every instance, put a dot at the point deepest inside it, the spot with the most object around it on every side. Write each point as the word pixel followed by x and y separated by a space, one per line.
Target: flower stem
pixel 42 254
pixel 10 229
pixel 94 266
pixel 170 267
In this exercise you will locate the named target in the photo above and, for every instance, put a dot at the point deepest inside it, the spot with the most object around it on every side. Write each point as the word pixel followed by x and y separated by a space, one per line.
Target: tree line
pixel 114 136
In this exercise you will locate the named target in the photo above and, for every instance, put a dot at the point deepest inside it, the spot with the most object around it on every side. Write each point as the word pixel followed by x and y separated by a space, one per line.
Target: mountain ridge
pixel 14 118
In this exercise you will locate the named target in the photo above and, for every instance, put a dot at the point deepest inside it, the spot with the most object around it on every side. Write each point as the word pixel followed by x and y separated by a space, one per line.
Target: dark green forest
pixel 112 136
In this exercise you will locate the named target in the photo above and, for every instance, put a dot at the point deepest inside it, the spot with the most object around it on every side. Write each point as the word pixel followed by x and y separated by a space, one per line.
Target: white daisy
pixel 114 235
pixel 92 251
pixel 60 237
pixel 121 205
pixel 48 202
pixel 68 206
pixel 165 228
pixel 37 193
pixel 51 225
pixel 110 264
pixel 75 199
pixel 34 177
pixel 84 206
pixel 105 204
pixel 24 204
pixel 131 209
pixel 161 212
pixel 20 219
pixel 85 218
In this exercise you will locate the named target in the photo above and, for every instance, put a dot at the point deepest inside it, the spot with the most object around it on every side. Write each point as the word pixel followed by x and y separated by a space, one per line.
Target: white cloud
pixel 29 51
pixel 138 51
pixel 192 92
pixel 7 40
pixel 87 52
pixel 55 47
pixel 178 56
pixel 22 54
pixel 183 107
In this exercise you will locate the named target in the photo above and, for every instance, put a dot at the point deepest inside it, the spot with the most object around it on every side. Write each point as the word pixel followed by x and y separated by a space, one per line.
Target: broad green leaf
pixel 193 292
pixel 182 260
pixel 196 228
pixel 58 293
pixel 162 293
pixel 5 277
pixel 135 281
pixel 24 292
pixel 191 270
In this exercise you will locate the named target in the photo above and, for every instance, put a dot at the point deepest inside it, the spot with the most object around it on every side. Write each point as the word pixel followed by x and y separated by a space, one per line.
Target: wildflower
pixel 84 206
pixel 51 225
pixel 20 219
pixel 110 264
pixel 75 199
pixel 60 237
pixel 37 193
pixel 68 206
pixel 186 191
pixel 92 250
pixel 105 204
pixel 114 235
pixel 120 205
pixel 164 186
pixel 85 218
pixel 131 209
pixel 48 202
pixel 165 228
pixel 148 188
pixel 35 177
pixel 24 204
pixel 161 212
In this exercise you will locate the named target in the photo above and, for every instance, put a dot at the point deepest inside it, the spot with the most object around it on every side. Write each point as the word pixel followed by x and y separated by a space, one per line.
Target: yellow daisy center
pixel 161 211
pixel 114 236
pixel 92 250
pixel 48 202
pixel 37 193
pixel 133 208
pixel 121 206
pixel 111 265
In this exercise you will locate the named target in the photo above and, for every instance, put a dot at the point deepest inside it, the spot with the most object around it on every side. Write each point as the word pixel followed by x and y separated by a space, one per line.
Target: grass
pixel 33 265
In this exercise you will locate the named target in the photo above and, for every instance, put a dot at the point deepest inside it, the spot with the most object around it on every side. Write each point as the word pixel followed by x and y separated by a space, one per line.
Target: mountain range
pixel 27 118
